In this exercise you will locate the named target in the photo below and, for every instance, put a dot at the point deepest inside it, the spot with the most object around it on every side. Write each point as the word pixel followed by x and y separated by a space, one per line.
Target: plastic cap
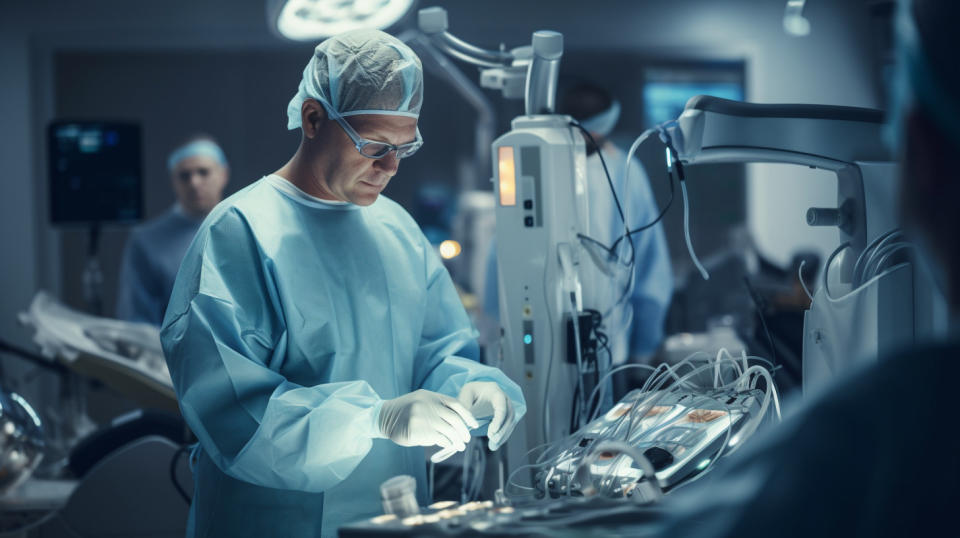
pixel 548 44
pixel 432 20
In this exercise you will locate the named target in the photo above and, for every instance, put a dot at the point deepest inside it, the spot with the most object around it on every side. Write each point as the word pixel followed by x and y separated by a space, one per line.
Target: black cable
pixel 575 409
pixel 173 473
pixel 666 206
pixel 603 161
pixel 676 162
pixel 613 191
pixel 35 358
pixel 758 304
pixel 628 233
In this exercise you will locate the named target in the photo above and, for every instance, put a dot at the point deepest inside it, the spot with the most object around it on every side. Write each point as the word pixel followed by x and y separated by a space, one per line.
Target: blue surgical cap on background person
pixel 203 147
pixel 361 72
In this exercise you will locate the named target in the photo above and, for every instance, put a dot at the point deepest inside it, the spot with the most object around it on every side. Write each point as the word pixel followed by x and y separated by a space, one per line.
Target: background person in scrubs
pixel 198 173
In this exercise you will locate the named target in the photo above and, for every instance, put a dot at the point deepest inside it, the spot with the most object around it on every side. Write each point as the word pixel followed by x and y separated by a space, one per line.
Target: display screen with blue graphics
pixel 95 172
pixel 665 100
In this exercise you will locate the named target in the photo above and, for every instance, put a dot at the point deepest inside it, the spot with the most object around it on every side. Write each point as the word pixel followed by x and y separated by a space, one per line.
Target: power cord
pixel 759 303
pixel 173 473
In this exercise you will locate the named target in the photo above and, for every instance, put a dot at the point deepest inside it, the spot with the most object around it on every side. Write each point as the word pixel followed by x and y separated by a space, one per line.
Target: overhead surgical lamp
pixel 311 20
pixel 794 23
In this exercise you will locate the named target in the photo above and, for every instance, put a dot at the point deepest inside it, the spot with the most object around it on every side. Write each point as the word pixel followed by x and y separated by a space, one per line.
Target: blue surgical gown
pixel 652 274
pixel 150 262
pixel 291 321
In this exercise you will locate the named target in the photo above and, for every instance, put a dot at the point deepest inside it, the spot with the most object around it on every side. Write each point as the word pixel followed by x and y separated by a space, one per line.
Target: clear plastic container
pixel 399 496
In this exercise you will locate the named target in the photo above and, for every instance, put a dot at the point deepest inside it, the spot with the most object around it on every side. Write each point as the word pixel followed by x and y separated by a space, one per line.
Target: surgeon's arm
pixel 223 338
pixel 447 357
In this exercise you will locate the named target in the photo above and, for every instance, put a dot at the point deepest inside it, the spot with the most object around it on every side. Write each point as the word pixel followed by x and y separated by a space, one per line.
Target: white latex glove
pixel 485 398
pixel 425 418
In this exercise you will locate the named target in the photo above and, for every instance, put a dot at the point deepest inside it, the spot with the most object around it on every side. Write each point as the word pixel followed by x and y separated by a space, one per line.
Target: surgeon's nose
pixel 389 163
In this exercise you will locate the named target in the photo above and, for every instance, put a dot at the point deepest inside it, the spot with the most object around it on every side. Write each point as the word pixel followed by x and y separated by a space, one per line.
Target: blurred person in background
pixel 198 172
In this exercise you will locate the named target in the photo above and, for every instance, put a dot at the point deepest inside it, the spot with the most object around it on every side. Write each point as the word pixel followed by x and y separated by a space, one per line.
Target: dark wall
pixel 239 97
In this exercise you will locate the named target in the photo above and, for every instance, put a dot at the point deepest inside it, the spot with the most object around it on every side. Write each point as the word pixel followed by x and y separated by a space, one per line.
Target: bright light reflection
pixel 449 249
pixel 309 20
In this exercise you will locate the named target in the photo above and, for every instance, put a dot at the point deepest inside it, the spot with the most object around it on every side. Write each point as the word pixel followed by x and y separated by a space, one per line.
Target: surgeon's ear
pixel 312 115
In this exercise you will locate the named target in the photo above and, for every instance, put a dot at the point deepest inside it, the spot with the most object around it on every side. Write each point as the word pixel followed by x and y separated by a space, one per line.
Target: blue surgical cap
pixel 361 72
pixel 204 147
pixel 604 122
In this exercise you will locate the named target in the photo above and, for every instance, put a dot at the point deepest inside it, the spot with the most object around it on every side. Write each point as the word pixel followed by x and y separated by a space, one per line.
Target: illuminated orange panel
pixel 508 176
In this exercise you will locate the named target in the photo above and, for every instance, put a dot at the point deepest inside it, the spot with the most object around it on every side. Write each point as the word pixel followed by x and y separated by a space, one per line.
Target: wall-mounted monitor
pixel 96 172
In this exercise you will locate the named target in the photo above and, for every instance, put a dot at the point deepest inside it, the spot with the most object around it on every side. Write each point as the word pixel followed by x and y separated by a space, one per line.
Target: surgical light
pixel 311 20
pixel 449 249
pixel 794 23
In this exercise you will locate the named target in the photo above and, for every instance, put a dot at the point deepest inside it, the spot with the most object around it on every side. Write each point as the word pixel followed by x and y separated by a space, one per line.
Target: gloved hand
pixel 425 418
pixel 485 398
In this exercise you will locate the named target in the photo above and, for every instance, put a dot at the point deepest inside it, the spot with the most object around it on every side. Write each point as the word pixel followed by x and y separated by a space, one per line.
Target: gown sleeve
pixel 223 338
pixel 447 357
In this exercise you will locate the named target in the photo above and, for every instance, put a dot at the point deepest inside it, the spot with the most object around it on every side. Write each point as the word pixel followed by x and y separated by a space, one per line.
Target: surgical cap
pixel 604 122
pixel 203 146
pixel 361 72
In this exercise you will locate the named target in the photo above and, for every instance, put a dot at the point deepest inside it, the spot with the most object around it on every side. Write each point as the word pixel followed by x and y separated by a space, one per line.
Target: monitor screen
pixel 95 172
pixel 666 92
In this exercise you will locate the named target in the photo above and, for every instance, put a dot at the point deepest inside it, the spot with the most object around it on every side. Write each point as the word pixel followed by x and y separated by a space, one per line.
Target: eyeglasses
pixel 373 149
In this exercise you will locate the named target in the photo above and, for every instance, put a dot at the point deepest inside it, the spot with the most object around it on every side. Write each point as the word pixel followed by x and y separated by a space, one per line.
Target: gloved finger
pixel 494 444
pixel 442 454
pixel 467 396
pixel 457 407
pixel 450 437
pixel 509 423
pixel 500 405
pixel 452 419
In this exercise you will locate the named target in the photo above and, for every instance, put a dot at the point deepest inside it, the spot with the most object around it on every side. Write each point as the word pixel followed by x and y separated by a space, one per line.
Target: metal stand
pixel 93 274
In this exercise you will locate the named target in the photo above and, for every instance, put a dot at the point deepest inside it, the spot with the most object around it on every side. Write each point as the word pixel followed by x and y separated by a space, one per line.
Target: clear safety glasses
pixel 373 149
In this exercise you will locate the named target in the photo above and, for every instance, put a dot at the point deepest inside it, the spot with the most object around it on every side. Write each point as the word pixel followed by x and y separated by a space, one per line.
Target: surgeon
pixel 877 454
pixel 635 328
pixel 315 340
pixel 198 172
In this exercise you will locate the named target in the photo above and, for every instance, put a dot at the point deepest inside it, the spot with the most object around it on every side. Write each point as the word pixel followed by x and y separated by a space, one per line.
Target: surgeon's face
pixel 198 182
pixel 342 173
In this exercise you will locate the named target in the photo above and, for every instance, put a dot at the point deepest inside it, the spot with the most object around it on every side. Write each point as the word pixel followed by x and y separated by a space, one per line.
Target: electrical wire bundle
pixel 667 433
pixel 591 364
pixel 884 252
pixel 615 252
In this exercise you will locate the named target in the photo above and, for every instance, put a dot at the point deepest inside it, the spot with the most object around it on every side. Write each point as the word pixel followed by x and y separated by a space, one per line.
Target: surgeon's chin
pixel 366 193
pixel 364 199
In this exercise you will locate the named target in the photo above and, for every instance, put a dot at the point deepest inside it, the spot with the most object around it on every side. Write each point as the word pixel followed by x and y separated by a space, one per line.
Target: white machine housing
pixel 902 305
pixel 539 183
